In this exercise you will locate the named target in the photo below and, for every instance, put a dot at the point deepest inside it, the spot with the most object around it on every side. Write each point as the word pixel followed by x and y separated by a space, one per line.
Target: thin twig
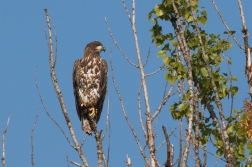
pixel 107 121
pixel 126 10
pixel 147 58
pixel 3 141
pixel 124 112
pixel 159 69
pixel 109 142
pixel 56 41
pixel 83 141
pixel 231 84
pixel 32 144
pixel 58 92
pixel 67 161
pixel 124 55
pixel 128 161
pixel 169 136
pixel 224 22
pixel 140 111
pixel 47 112
pixel 76 164
pixel 165 99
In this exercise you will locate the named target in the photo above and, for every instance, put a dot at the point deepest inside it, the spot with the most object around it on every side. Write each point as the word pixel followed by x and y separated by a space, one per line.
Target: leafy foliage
pixel 177 70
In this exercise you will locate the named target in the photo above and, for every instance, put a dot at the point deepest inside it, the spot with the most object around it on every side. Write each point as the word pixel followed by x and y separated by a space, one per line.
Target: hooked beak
pixel 100 48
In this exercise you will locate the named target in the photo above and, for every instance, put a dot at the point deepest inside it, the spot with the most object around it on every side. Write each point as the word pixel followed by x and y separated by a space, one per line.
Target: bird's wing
pixel 103 86
pixel 76 84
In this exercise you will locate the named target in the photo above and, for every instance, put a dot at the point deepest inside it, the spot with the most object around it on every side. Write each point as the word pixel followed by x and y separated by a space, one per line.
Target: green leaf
pixel 235 111
pixel 161 53
pixel 166 60
pixel 204 71
pixel 230 129
pixel 232 32
pixel 174 43
pixel 229 61
pixel 186 97
pixel 219 152
pixel 190 19
pixel 154 20
pixel 159 12
pixel 182 107
pixel 203 20
pixel 234 90
pixel 204 12
pixel 170 78
pixel 234 78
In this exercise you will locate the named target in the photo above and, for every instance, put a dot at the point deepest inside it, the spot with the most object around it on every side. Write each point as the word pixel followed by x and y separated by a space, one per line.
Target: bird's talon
pixel 83 104
pixel 92 113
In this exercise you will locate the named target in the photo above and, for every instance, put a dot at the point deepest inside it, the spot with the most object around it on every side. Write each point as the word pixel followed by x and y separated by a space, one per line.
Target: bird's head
pixel 96 46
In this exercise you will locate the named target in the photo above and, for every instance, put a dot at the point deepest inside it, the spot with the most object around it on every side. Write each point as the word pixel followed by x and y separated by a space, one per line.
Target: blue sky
pixel 23 48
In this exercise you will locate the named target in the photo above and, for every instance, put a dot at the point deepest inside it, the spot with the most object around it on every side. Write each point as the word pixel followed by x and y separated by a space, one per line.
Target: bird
pixel 90 75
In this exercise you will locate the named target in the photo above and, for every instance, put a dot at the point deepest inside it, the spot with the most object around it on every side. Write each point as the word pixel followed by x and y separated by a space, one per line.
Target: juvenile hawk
pixel 90 75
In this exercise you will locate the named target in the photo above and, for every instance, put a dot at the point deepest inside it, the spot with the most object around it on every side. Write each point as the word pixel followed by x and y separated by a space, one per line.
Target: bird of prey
pixel 90 75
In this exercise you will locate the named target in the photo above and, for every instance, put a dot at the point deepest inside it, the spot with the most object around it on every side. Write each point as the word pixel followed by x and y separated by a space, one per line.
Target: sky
pixel 23 49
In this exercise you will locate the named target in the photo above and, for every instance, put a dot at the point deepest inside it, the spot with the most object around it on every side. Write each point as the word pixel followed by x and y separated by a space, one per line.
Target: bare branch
pixel 224 22
pixel 231 84
pixel 140 111
pixel 124 55
pixel 183 46
pixel 159 69
pixel 248 69
pixel 32 144
pixel 67 161
pixel 126 10
pixel 107 121
pixel 128 161
pixel 169 136
pixel 3 141
pixel 168 162
pixel 47 112
pixel 147 58
pixel 83 141
pixel 150 133
pixel 196 136
pixel 180 142
pixel 225 138
pixel 58 92
pixel 165 99
pixel 124 112
pixel 99 146
pixel 76 164
pixel 56 41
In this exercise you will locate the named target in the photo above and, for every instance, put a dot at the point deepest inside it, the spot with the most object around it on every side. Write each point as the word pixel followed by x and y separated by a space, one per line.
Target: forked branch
pixel 58 92
pixel 124 113
pixel 224 22
pixel 124 55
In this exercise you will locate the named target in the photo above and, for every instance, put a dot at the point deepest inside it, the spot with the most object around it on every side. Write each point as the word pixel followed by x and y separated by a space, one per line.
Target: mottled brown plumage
pixel 90 85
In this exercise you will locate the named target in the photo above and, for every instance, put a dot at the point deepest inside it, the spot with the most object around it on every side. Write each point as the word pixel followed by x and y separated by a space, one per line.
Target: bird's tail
pixel 86 126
